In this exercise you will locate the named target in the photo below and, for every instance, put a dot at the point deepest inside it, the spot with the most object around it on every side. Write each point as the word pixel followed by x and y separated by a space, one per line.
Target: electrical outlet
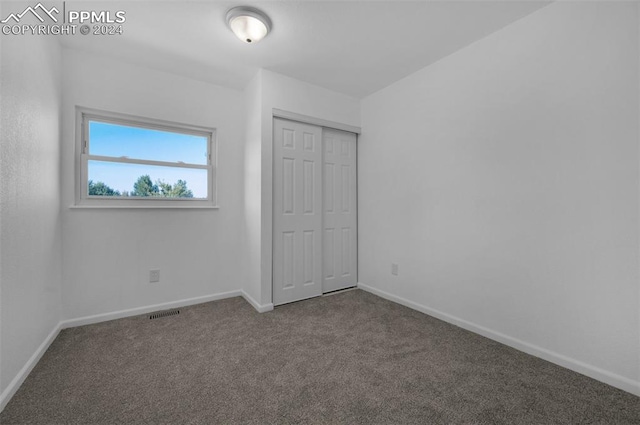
pixel 394 269
pixel 154 276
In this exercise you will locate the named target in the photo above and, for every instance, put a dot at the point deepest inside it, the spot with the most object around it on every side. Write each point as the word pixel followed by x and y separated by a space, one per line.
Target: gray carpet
pixel 350 358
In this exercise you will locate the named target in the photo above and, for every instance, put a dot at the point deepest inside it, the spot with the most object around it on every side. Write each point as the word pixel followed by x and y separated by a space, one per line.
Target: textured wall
pixel 504 182
pixel 30 257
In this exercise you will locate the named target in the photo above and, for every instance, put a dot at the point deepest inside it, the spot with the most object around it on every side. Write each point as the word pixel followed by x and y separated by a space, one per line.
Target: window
pixel 136 162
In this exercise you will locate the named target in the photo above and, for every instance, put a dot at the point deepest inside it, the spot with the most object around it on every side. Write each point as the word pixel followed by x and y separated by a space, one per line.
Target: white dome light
pixel 248 24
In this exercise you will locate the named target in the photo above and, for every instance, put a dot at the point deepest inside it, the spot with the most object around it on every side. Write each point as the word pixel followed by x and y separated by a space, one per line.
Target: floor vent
pixel 164 314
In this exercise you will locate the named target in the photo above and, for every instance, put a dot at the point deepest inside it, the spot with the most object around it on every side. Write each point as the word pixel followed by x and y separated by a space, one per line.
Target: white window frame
pixel 84 115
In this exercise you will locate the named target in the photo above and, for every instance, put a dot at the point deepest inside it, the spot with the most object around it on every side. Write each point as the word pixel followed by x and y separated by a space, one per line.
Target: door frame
pixel 306 119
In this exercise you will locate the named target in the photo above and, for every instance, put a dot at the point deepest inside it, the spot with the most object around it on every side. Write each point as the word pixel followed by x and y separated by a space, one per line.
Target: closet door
pixel 297 218
pixel 339 211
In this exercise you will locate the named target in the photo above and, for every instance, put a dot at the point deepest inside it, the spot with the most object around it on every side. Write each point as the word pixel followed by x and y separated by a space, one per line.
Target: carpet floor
pixel 349 358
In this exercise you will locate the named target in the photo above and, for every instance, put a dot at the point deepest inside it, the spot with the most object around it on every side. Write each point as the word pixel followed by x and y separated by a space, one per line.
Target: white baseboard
pixel 17 381
pixel 97 318
pixel 260 308
pixel 591 371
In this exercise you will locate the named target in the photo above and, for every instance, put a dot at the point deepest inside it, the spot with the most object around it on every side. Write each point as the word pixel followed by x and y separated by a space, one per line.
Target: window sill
pixel 144 207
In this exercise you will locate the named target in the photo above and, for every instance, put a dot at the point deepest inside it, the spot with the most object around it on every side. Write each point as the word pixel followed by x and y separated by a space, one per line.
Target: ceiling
pixel 353 47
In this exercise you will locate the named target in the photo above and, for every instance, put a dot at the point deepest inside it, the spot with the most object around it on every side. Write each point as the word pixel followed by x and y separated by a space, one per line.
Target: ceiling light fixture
pixel 248 24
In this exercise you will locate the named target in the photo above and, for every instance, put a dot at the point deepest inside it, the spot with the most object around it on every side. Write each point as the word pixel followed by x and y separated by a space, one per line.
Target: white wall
pixel 251 283
pixel 504 182
pixel 198 252
pixel 30 234
pixel 288 94
pixel 108 253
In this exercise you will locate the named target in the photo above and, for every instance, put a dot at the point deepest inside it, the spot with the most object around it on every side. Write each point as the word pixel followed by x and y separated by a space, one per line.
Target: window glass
pixel 108 139
pixel 145 180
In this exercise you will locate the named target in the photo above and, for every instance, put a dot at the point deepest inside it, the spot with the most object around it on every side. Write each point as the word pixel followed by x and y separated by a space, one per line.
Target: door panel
pixel 297 224
pixel 339 211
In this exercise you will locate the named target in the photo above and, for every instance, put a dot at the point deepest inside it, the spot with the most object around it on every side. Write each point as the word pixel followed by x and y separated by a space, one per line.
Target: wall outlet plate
pixel 154 276
pixel 394 269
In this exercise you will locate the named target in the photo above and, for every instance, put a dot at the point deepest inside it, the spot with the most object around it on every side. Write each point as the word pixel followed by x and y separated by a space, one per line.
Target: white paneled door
pixel 297 222
pixel 339 210
pixel 314 222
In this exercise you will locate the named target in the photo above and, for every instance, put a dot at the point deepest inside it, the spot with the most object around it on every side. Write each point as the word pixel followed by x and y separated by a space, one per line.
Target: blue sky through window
pixel 115 140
